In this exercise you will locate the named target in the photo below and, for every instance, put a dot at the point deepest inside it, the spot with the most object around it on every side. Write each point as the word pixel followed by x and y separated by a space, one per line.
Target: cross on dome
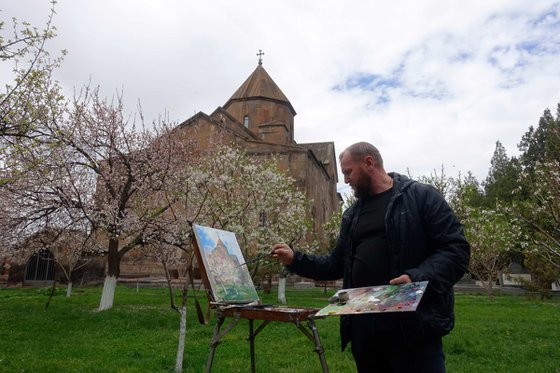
pixel 260 54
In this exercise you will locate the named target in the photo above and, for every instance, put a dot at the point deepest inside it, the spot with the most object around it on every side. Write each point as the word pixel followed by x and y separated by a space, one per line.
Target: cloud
pixel 426 81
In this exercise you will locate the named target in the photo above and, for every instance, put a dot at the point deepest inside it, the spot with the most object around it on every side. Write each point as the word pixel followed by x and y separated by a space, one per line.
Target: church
pixel 259 118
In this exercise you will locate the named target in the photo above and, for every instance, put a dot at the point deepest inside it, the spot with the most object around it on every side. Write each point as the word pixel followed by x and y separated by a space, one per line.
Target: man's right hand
pixel 283 253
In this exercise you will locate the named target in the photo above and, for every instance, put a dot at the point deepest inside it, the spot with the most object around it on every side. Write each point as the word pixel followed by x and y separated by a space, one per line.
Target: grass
pixel 507 334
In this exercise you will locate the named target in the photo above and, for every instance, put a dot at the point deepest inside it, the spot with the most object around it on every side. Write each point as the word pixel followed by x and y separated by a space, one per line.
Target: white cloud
pixel 442 81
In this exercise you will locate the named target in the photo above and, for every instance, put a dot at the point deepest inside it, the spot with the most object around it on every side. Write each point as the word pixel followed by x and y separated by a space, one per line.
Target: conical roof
pixel 259 85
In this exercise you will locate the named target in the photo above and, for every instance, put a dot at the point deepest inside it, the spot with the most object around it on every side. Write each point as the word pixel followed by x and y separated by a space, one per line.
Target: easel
pixel 297 316
pixel 300 317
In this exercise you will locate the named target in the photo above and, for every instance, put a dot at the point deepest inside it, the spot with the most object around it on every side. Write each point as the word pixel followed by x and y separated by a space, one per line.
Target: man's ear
pixel 370 162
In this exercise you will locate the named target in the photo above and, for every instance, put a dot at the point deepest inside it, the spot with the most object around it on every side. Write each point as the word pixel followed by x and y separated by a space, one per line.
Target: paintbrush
pixel 255 259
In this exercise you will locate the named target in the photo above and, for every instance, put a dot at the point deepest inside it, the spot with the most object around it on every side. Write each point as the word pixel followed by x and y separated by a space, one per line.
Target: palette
pixel 376 299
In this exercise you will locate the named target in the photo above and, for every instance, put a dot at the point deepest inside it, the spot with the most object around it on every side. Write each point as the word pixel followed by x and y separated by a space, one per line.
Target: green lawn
pixel 508 334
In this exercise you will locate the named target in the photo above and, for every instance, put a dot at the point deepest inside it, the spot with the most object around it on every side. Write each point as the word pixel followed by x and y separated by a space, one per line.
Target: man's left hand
pixel 402 279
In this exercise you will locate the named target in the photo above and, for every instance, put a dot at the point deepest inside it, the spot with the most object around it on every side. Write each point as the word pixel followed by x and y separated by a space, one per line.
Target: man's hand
pixel 283 253
pixel 402 279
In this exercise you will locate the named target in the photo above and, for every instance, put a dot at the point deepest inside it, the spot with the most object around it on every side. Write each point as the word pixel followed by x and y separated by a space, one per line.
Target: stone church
pixel 259 118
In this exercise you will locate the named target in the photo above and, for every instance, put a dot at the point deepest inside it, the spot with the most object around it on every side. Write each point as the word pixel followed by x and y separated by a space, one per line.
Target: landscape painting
pixel 385 298
pixel 223 263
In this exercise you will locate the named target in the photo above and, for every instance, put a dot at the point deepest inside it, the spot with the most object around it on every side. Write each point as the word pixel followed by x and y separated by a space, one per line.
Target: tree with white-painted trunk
pixel 70 163
pixel 73 251
pixel 90 164
pixel 173 250
pixel 132 180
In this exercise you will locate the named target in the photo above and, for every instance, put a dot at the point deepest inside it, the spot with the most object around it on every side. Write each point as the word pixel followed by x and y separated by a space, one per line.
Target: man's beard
pixel 360 192
pixel 362 186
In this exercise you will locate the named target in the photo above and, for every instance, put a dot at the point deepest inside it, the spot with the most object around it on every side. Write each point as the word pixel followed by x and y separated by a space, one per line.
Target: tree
pixel 70 249
pixel 539 212
pixel 74 250
pixel 541 144
pixel 90 164
pixel 461 192
pixel 443 183
pixel 173 255
pixel 491 237
pixel 132 169
pixel 33 92
pixel 503 178
pixel 467 193
pixel 30 100
pixel 253 199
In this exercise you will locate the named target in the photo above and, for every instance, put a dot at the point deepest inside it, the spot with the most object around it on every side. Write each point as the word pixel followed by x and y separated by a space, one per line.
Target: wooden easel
pixel 297 316
pixel 302 318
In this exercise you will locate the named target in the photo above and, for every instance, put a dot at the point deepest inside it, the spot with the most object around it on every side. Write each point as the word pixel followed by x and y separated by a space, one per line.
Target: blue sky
pixel 430 83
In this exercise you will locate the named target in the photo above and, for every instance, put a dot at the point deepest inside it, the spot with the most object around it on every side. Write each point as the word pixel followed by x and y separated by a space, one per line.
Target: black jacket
pixel 426 242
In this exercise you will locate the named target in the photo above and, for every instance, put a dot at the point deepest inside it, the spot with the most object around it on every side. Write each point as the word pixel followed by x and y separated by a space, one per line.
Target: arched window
pixel 40 267
pixel 246 121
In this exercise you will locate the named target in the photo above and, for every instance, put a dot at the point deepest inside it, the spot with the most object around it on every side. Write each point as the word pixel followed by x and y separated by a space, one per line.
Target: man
pixel 397 231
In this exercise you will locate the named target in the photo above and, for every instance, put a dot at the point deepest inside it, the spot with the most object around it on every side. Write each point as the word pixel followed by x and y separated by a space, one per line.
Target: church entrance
pixel 40 268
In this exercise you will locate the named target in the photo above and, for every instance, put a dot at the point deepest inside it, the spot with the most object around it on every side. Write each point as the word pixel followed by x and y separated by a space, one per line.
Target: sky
pixel 431 83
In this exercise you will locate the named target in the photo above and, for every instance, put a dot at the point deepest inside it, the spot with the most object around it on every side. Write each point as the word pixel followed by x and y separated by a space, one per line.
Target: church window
pixel 246 121
pixel 40 267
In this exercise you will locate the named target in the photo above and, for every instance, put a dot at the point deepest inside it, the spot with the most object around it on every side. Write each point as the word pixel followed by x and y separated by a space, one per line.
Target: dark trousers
pixel 395 351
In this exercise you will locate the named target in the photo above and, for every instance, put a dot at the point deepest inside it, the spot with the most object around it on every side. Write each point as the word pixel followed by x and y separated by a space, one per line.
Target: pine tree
pixel 502 178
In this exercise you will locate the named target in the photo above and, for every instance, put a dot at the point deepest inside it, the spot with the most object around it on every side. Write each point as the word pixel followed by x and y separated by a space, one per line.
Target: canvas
pixel 222 263
pixel 375 299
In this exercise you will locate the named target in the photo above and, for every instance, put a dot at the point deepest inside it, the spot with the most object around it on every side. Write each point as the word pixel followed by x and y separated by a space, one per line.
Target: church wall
pixel 134 265
pixel 207 135
pixel 318 186
pixel 319 190
pixel 274 133
pixel 264 111
pixel 296 161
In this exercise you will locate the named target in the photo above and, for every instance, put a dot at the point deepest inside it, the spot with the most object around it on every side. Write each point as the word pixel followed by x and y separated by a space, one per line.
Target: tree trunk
pixel 182 334
pixel 113 258
pixel 108 294
pixel 489 287
pixel 113 272
pixel 267 283
pixel 169 286
pixel 51 294
pixel 69 289
pixel 282 290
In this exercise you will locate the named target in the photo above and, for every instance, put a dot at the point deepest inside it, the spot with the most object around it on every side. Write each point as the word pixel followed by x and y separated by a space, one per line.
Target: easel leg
pixel 252 346
pixel 217 336
pixel 214 344
pixel 251 338
pixel 318 345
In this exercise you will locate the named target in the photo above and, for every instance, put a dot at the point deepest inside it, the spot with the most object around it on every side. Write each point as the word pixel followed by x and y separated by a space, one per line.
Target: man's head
pixel 361 150
pixel 360 164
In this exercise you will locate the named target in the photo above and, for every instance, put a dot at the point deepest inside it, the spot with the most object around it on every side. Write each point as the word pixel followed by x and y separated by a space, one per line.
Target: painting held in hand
pixel 222 261
pixel 375 299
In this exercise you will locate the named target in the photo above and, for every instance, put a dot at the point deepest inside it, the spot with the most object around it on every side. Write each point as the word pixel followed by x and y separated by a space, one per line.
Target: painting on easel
pixel 223 265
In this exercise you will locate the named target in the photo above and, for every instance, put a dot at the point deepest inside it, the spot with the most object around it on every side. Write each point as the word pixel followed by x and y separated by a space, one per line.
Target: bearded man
pixel 397 231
